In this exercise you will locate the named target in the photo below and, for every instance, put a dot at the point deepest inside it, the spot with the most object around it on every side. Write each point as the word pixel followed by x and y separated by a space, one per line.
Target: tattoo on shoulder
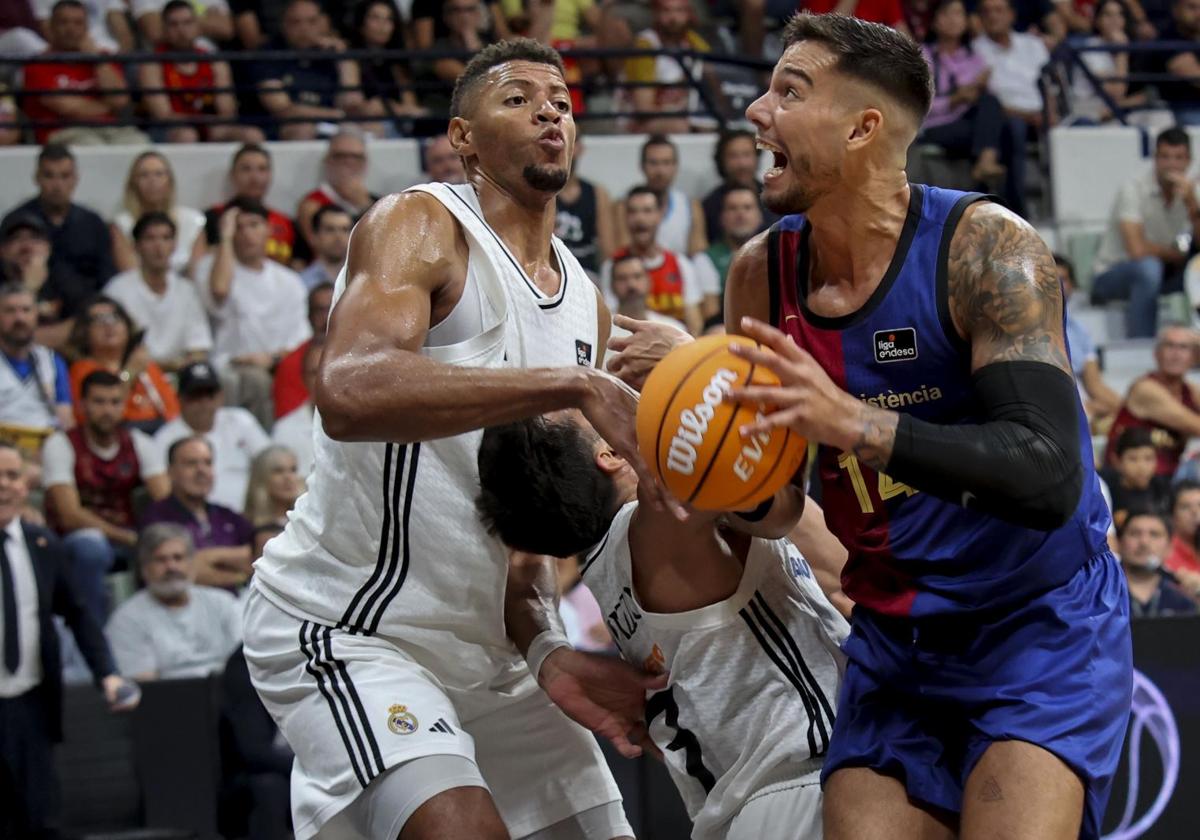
pixel 1004 290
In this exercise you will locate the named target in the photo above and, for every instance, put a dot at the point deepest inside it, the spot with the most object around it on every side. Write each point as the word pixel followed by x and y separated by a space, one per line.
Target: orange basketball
pixel 690 438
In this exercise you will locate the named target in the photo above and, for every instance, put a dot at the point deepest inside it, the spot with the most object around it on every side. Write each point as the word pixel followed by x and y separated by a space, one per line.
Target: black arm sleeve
pixel 1022 465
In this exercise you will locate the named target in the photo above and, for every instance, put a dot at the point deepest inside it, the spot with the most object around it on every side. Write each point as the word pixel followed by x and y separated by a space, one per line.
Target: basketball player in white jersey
pixel 739 622
pixel 374 628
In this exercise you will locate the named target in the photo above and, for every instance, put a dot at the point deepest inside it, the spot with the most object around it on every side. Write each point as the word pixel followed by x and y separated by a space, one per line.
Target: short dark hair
pixel 1177 491
pixel 176 5
pixel 149 220
pixel 68 4
pixel 1139 512
pixel 540 488
pixel 328 210
pixel 1135 437
pixel 656 140
pixel 731 190
pixel 727 138
pixel 99 379
pixel 249 149
pixel 871 52
pixel 642 189
pixel 493 55
pixel 52 152
pixel 184 441
pixel 1173 136
pixel 623 258
pixel 12 288
pixel 1063 262
pixel 249 205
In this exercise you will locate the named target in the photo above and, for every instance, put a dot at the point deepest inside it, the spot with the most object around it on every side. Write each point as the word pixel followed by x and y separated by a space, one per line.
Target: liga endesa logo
pixel 1150 717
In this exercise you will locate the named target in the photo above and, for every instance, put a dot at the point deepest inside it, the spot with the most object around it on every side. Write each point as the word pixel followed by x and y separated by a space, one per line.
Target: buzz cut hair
pixel 493 55
pixel 887 60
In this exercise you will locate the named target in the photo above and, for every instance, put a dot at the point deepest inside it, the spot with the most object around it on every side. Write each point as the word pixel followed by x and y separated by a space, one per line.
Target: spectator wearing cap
pixel 331 242
pixel 184 101
pixel 159 300
pixel 441 163
pixel 257 307
pixel 35 388
pixel 67 34
pixel 291 388
pixel 294 430
pixel 235 436
pixel 81 259
pixel 741 219
pixel 221 537
pixel 250 177
pixel 1142 540
pixel 302 92
pixel 25 251
pixel 174 628
pixel 92 474
pixel 736 158
pixel 344 185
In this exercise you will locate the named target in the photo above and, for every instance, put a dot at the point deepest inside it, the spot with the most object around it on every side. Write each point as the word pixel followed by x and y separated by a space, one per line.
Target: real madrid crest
pixel 401 721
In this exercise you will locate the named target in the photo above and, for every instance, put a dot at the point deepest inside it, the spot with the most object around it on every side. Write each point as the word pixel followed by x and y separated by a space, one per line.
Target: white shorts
pixel 353 706
pixel 789 809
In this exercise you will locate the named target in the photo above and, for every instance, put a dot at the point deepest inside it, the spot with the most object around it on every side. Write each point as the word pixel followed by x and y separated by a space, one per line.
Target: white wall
pixel 200 169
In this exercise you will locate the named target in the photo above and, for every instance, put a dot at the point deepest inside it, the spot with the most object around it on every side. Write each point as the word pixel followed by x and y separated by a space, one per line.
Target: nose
pixel 547 112
pixel 757 110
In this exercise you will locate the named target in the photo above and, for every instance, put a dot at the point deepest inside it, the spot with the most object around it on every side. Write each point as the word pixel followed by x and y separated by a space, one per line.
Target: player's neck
pixel 524 222
pixel 855 232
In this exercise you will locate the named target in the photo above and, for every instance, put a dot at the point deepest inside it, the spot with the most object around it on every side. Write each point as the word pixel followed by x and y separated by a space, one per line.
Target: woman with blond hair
pixel 275 484
pixel 150 185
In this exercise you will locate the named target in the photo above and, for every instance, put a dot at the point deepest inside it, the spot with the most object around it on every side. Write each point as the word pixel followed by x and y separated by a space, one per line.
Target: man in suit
pixel 34 585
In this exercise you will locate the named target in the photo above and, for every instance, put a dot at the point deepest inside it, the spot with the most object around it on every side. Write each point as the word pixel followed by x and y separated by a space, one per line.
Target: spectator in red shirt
pixel 187 80
pixel 1185 519
pixel 345 183
pixel 250 177
pixel 888 12
pixel 67 31
pixel 289 390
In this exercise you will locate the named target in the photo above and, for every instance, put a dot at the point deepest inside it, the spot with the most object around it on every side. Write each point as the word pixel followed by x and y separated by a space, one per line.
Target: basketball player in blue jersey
pixel 918 336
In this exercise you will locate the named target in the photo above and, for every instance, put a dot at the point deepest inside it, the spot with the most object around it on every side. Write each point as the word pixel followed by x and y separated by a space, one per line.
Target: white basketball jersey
pixel 386 540
pixel 754 679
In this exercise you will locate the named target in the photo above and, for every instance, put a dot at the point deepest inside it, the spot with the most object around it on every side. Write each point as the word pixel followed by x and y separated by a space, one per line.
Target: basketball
pixel 689 436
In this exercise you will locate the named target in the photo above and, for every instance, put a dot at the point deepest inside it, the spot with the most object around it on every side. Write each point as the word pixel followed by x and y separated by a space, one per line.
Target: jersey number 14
pixel 886 487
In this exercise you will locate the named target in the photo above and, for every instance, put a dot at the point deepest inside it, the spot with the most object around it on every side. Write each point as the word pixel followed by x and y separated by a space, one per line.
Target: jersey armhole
pixel 773 279
pixel 949 227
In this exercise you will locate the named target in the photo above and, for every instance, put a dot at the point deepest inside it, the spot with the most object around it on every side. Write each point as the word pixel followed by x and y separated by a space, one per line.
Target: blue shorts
pixel 924 698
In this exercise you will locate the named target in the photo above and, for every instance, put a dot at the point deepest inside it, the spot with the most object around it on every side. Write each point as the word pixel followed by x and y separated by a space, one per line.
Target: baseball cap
pixel 23 221
pixel 198 378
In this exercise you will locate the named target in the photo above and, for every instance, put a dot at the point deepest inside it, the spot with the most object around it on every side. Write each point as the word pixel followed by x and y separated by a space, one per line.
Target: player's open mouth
pixel 780 160
pixel 553 140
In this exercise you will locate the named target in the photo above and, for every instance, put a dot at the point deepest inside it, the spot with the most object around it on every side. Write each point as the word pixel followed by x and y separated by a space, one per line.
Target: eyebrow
pixel 796 73
pixel 555 87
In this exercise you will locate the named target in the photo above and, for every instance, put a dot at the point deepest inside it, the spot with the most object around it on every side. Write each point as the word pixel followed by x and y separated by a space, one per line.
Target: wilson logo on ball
pixel 694 422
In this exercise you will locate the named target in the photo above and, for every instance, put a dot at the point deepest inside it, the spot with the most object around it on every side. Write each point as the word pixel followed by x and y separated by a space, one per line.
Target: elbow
pixel 1053 508
pixel 341 414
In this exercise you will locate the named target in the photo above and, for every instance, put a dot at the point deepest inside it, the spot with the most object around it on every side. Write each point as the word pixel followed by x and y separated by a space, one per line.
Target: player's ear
pixel 868 124
pixel 459 133
pixel 608 460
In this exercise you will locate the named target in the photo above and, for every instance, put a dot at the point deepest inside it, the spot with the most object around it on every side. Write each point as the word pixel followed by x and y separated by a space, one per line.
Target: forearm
pixel 401 396
pixel 79 107
pixel 220 279
pixel 80 518
pixel 531 599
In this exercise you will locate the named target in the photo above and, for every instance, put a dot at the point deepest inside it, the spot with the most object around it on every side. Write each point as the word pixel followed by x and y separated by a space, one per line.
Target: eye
pixel 515 99
pixel 563 106
pixel 790 93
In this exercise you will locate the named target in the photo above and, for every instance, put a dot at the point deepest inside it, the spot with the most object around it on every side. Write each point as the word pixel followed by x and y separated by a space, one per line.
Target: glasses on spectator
pixel 104 318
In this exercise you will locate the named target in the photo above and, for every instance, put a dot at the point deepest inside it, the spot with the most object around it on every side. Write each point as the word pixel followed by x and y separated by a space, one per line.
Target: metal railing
pixel 1068 57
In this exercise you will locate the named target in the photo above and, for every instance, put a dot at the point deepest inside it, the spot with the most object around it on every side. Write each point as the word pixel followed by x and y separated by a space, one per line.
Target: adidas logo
pixel 442 726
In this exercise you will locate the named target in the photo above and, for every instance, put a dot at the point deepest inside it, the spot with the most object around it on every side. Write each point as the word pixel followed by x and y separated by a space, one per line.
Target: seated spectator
pixel 441 163
pixel 256 764
pixel 1015 60
pixel 81 260
pixel 25 261
pixel 888 12
pixel 1112 27
pixel 235 436
pixel 39 586
pixel 250 177
pixel 174 628
pixel 429 24
pixel 1185 522
pixel 313 90
pixel 220 537
pixel 10 126
pixel 674 287
pixel 107 339
pixel 186 105
pixel 210 19
pixel 344 185
pixel 1143 539
pixel 163 304
pixel 257 307
pixel 964 119
pixel 1140 251
pixel 332 226
pixel 671 29
pixel 376 27
pixel 290 387
pixel 1163 401
pixel 681 228
pixel 631 287
pixel 92 476
pixel 741 218
pixel 275 485
pixel 150 187
pixel 466 26
pixel 53 114
pixel 1101 401
pixel 736 157
pixel 1182 96
pixel 107 29
pixel 1133 482
pixel 294 429
pixel 584 218
pixel 35 389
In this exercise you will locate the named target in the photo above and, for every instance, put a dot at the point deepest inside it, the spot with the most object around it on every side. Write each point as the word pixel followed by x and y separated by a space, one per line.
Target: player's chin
pixel 546 177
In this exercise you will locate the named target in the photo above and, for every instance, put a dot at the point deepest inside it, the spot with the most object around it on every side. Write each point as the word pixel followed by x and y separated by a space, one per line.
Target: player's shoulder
pixel 405 210
pixel 750 261
pixel 986 227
